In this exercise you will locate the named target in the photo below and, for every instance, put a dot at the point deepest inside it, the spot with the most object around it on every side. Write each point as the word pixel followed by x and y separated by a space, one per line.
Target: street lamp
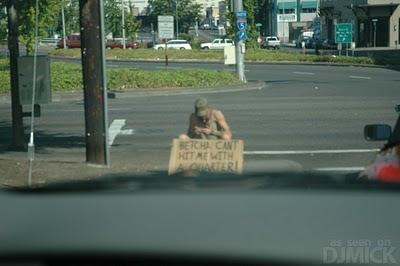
pixel 63 24
pixel 284 29
pixel 123 25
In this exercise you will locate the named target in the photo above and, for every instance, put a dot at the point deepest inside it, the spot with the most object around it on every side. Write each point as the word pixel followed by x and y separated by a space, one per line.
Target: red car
pixel 118 44
pixel 72 41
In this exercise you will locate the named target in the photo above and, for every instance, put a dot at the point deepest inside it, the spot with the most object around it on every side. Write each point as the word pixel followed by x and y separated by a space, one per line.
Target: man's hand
pixel 207 131
pixel 198 130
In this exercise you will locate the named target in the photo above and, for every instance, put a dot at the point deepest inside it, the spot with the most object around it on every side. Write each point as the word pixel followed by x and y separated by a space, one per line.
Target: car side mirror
pixel 377 132
pixel 398 109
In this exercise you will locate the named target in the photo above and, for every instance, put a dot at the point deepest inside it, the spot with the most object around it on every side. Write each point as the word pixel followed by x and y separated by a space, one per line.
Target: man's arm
pixel 192 133
pixel 227 134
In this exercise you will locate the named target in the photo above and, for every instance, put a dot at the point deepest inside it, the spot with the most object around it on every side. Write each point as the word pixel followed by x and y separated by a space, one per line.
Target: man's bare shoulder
pixel 218 114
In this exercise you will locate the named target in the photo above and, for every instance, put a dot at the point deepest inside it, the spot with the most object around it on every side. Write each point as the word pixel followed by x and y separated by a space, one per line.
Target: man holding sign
pixel 207 123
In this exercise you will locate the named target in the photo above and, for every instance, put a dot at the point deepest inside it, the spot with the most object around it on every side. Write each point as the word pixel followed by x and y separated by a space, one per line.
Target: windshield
pixel 92 97
pixel 304 115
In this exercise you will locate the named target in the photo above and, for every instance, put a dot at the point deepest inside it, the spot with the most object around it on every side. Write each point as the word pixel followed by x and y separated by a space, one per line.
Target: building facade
pixel 288 18
pixel 140 7
pixel 375 22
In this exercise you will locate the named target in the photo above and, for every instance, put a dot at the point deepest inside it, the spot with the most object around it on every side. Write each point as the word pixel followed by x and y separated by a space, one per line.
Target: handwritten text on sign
pixel 206 155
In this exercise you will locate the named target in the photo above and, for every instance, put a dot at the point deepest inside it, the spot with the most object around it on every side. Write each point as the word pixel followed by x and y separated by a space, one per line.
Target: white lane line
pixel 359 77
pixel 82 110
pixel 340 169
pixel 234 70
pixel 119 109
pixel 169 67
pixel 115 129
pixel 309 152
pixel 127 132
pixel 303 73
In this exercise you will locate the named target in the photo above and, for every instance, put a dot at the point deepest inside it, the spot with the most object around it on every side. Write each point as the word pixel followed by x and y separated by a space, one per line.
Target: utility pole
pixel 177 29
pixel 238 6
pixel 123 24
pixel 283 16
pixel 17 143
pixel 94 81
pixel 320 28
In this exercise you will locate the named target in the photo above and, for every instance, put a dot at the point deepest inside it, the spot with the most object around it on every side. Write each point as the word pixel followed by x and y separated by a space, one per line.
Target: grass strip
pixel 251 55
pixel 68 77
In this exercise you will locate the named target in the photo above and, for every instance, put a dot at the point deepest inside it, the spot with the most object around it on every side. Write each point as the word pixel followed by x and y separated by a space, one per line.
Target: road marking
pixel 169 67
pixel 119 109
pixel 340 169
pixel 127 132
pixel 234 70
pixel 309 152
pixel 303 73
pixel 115 129
pixel 359 77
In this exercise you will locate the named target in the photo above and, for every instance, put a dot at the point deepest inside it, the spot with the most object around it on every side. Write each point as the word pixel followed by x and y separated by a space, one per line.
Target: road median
pixel 260 56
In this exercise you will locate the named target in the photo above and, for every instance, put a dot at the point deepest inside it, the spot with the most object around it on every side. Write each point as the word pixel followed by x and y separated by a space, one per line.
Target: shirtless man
pixel 207 123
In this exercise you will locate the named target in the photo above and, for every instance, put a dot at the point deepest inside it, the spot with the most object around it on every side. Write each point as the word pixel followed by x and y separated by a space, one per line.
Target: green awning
pixel 309 4
pixel 287 5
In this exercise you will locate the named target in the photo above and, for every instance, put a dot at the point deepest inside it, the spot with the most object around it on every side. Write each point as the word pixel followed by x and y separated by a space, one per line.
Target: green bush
pixel 185 36
pixel 195 45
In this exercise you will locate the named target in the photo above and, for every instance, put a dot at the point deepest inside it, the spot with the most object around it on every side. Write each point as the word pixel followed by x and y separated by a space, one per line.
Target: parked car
pixel 329 44
pixel 318 43
pixel 206 26
pixel 216 44
pixel 174 44
pixel 119 44
pixel 301 39
pixel 72 41
pixel 272 42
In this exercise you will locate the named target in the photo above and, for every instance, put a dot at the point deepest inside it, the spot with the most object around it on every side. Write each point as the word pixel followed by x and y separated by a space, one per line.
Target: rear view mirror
pixel 377 132
pixel 398 108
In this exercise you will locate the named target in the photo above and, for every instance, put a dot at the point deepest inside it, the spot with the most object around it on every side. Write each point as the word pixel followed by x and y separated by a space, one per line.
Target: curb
pixel 137 93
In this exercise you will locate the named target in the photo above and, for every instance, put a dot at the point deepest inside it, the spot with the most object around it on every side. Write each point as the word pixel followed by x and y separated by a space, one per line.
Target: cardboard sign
pixel 224 156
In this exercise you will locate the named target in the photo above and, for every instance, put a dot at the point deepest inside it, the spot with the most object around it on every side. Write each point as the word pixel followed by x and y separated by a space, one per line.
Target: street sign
pixel 258 24
pixel 375 20
pixel 165 27
pixel 241 14
pixel 344 33
pixel 241 25
pixel 242 35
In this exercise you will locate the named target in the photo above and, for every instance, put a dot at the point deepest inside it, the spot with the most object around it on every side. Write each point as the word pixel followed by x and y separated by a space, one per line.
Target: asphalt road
pixel 307 116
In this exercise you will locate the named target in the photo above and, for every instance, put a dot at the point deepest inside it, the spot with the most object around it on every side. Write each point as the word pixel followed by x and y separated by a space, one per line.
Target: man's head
pixel 201 107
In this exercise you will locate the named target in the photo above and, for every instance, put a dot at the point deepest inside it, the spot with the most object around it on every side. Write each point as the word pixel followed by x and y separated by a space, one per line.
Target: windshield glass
pixel 301 108
pixel 255 130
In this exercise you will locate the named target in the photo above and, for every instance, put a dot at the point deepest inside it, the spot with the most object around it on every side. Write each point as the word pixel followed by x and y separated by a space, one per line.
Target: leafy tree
pixel 71 14
pixel 131 24
pixel 261 14
pixel 113 19
pixel 48 14
pixel 188 11
pixel 252 32
pixel 3 23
